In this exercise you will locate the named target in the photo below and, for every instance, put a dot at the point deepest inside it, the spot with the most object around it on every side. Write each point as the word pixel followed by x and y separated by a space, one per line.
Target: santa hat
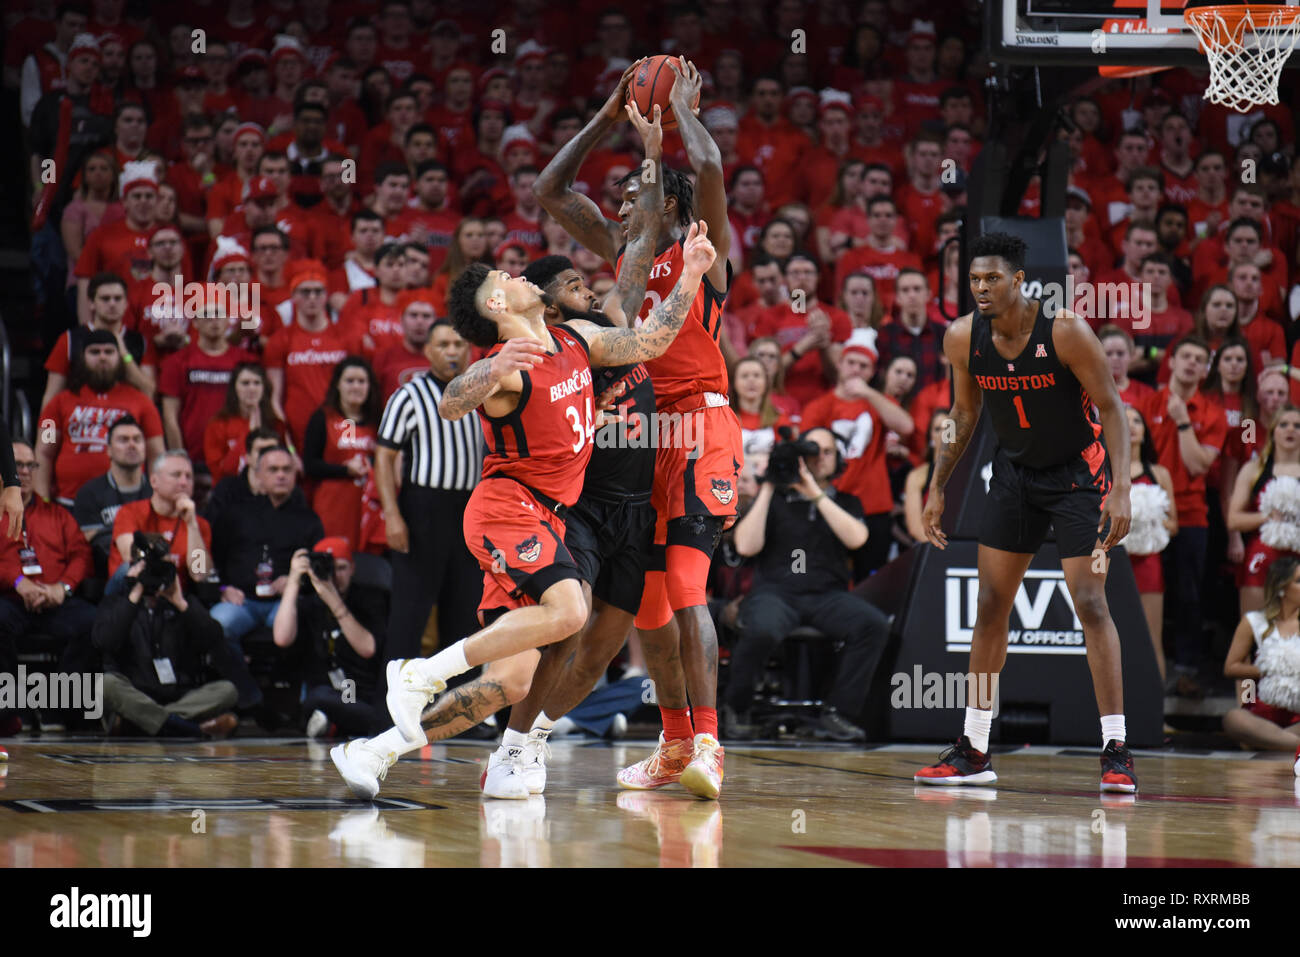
pixel 308 270
pixel 721 115
pixel 530 50
pixel 922 30
pixel 336 546
pixel 285 46
pixel 252 56
pixel 229 251
pixel 245 128
pixel 517 135
pixel 800 93
pixel 84 44
pixel 834 100
pixel 139 173
pixel 863 341
pixel 109 38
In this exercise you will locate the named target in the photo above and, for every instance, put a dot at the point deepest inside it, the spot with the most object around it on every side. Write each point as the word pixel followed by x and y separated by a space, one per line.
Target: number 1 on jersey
pixel 1020 411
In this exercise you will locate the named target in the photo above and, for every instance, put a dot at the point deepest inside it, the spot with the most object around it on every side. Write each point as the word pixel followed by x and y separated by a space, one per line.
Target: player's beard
pixel 591 315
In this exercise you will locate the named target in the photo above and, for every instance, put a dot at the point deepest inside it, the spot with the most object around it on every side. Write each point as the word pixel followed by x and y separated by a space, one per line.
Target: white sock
pixel 543 722
pixel 392 740
pixel 1112 729
pixel 447 663
pixel 513 739
pixel 977 727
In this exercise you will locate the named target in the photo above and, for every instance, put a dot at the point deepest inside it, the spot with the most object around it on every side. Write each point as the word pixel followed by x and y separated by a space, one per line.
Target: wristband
pixel 1153 352
pixel 1184 426
pixel 128 358
pixel 19 580
pixel 796 353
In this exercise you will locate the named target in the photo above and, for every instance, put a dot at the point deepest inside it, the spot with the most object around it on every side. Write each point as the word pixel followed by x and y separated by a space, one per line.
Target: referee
pixel 443 463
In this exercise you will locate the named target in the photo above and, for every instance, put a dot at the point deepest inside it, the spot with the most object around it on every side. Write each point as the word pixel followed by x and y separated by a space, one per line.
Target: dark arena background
pixel 228 266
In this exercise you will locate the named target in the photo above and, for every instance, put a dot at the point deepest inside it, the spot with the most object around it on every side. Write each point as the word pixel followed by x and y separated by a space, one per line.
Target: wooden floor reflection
pixel 260 803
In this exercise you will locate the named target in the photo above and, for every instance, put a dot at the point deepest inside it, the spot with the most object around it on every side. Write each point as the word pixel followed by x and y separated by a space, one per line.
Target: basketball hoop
pixel 1247 46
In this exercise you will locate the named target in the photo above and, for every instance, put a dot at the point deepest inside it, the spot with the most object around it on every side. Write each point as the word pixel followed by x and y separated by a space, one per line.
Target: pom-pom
pixel 1148 505
pixel 1281 496
pixel 1279 660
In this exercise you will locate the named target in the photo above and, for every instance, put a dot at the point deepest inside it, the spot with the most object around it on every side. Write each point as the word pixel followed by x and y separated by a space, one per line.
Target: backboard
pixel 1094 33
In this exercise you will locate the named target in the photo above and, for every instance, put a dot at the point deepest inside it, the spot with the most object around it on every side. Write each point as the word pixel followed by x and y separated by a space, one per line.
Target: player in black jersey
pixel 1041 376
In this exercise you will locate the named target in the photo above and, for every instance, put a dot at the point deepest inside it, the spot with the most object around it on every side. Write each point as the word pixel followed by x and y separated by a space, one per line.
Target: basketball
pixel 653 84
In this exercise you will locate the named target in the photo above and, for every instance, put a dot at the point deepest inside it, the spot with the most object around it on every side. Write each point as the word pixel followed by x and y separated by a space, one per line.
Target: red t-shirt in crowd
pixel 308 360
pixel 200 381
pixel 365 313
pixel 82 421
pixel 115 247
pixel 396 366
pixel 1211 428
pixel 881 267
pixel 860 435
pixel 140 517
pixel 805 379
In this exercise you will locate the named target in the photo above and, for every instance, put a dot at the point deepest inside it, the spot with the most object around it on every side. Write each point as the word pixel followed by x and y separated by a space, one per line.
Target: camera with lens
pixel 783 463
pixel 322 566
pixel 159 572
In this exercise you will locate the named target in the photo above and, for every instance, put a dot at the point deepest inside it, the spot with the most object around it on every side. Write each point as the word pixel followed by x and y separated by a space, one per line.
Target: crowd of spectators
pixel 347 159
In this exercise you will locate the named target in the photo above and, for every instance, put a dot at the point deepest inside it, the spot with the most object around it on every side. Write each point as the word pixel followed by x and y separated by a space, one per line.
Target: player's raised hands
pixel 605 403
pixel 517 355
pixel 698 253
pixel 613 107
pixel 652 133
pixel 685 95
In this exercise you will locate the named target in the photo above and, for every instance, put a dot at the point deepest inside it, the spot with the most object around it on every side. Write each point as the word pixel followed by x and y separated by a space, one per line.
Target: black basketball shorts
pixel 610 542
pixel 1023 503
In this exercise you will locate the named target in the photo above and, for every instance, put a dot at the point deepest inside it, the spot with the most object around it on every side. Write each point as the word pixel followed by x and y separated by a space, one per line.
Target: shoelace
pixel 654 764
pixel 540 746
pixel 956 749
pixel 386 761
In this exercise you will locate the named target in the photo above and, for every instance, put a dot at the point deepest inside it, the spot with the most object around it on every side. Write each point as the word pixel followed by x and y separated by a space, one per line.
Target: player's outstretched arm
pixel 617 347
pixel 1079 349
pixel 489 377
pixel 968 401
pixel 624 301
pixel 706 160
pixel 580 216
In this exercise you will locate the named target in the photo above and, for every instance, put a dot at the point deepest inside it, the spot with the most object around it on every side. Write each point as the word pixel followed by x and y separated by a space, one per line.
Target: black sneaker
pixel 960 764
pixel 840 728
pixel 1117 772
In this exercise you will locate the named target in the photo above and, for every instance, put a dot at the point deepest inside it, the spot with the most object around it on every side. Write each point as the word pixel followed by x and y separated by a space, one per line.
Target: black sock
pixel 177 727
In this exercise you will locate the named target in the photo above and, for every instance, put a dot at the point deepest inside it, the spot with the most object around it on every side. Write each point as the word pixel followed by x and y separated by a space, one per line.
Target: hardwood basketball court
pixel 68 802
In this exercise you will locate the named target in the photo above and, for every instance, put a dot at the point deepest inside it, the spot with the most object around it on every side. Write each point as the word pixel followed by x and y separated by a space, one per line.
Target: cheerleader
pixel 1155 521
pixel 339 448
pixel 1266 499
pixel 1269 719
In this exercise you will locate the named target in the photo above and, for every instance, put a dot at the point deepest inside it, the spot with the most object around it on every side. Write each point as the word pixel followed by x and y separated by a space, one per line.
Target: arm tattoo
pixel 467 391
pixel 462 708
pixel 620 347
pixel 639 255
pixel 949 453
pixel 580 216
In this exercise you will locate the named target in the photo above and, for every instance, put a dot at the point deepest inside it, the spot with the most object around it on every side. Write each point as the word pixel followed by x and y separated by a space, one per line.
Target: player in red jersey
pixel 699 460
pixel 539 420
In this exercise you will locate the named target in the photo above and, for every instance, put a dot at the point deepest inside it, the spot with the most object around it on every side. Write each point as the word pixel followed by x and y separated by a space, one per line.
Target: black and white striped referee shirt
pixel 438 454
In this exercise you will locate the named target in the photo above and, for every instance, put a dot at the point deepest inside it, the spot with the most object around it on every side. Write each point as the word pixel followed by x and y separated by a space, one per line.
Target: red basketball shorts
pixel 518 542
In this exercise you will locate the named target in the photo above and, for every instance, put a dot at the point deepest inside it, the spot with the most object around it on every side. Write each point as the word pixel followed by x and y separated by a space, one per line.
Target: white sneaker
pixel 409 691
pixel 536 753
pixel 362 767
pixel 317 724
pixel 504 775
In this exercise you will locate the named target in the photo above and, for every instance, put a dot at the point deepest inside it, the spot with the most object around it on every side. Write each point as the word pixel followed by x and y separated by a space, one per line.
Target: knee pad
pixel 656 611
pixel 688 576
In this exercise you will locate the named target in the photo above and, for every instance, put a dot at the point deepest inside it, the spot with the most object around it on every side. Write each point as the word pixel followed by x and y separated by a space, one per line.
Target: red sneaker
pixel 1117 772
pixel 960 764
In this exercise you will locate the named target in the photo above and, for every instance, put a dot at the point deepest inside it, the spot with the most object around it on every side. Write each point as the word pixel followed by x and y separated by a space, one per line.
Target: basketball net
pixel 1247 46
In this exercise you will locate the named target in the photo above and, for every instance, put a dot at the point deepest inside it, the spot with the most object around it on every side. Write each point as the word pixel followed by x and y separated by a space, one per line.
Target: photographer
pixel 153 639
pixel 341 627
pixel 802 530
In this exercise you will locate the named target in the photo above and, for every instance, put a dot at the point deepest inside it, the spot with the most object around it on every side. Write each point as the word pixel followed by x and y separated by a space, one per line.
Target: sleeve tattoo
pixel 467 391
pixel 623 346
